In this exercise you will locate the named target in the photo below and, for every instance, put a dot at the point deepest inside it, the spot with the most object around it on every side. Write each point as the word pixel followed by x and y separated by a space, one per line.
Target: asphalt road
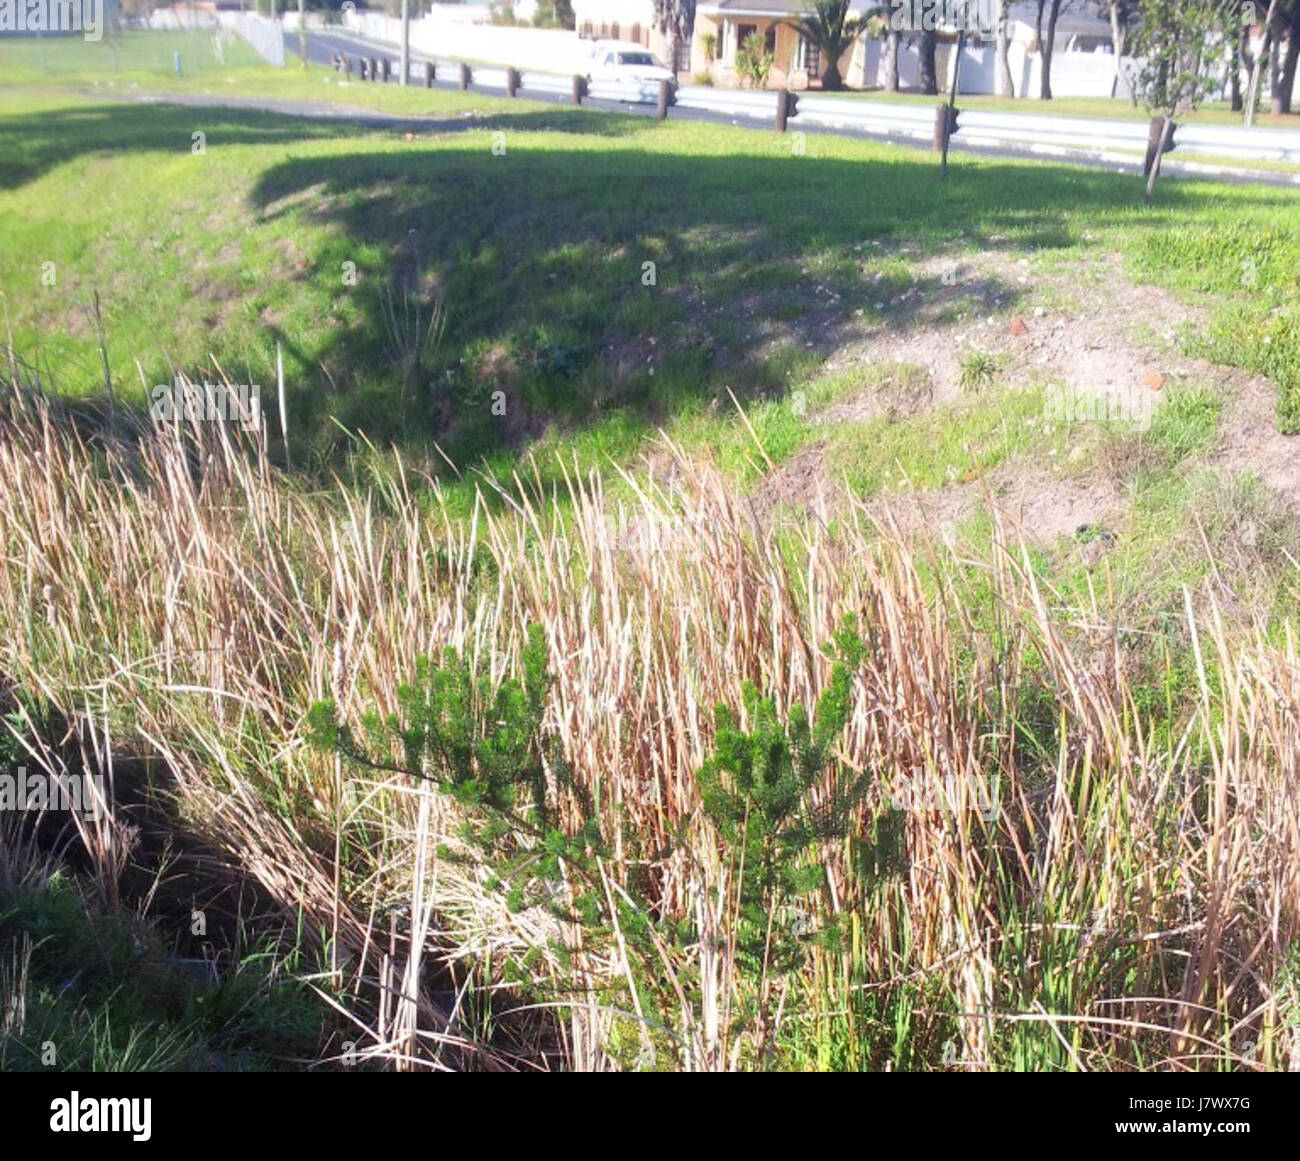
pixel 320 46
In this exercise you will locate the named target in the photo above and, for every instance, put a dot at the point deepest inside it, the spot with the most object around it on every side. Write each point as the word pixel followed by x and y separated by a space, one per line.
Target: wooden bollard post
pixel 1160 140
pixel 430 73
pixel 361 67
pixel 466 75
pixel 512 82
pixel 665 99
pixel 385 70
pixel 347 66
pixel 786 103
pixel 579 89
pixel 941 128
pixel 374 69
pixel 949 128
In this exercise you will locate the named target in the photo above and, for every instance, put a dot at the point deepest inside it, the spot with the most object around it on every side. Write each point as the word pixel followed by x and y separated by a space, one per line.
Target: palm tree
pixel 929 73
pixel 830 29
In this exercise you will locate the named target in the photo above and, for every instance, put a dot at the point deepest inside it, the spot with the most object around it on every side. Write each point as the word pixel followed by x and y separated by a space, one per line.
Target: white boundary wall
pixel 445 35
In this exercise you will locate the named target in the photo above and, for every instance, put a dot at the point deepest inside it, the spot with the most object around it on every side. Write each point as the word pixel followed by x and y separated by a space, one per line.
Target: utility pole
pixel 302 32
pixel 406 41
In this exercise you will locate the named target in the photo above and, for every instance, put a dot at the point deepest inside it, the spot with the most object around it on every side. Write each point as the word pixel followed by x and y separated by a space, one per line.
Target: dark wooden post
pixel 374 69
pixel 466 76
pixel 361 67
pixel 385 70
pixel 430 73
pixel 579 89
pixel 941 128
pixel 665 99
pixel 786 104
pixel 512 82
pixel 347 66
pixel 950 111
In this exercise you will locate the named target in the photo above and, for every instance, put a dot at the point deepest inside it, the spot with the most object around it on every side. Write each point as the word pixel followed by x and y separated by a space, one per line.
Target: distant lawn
pixel 141 62
pixel 1212 113
pixel 555 332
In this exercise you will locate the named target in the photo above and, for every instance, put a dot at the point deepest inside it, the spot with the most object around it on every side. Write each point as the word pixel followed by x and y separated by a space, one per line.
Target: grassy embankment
pixel 1134 902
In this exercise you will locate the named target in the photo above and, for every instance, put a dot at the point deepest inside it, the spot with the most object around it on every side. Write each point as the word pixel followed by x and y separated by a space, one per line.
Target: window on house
pixel 742 33
pixel 769 39
pixel 613 32
pixel 808 57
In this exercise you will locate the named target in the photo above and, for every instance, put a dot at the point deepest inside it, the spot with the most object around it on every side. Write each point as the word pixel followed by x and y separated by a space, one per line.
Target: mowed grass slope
pixel 605 274
pixel 535 281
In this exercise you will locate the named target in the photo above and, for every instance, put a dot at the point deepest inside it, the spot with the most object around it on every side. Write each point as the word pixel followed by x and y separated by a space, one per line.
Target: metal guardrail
pixel 1082 135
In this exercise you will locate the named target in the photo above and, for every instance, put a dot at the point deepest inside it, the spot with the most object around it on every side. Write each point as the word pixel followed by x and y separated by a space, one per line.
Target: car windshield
pixel 635 58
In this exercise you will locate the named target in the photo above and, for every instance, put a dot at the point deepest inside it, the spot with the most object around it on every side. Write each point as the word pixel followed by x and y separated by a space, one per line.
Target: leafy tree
pixel 1178 41
pixel 775 801
pixel 829 28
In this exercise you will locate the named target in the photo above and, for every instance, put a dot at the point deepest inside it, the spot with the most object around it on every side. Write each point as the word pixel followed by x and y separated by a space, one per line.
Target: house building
pixel 1082 63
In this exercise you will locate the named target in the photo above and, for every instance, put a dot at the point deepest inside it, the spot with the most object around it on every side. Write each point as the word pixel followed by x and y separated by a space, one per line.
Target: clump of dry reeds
pixel 1133 902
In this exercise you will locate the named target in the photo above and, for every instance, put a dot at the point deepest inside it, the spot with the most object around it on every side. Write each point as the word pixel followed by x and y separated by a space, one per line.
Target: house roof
pixel 1075 17
pixel 771 7
pixel 755 7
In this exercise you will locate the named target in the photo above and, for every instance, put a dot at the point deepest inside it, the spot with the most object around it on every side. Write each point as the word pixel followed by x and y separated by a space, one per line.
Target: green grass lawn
pixel 1211 113
pixel 516 276
pixel 509 280
pixel 141 62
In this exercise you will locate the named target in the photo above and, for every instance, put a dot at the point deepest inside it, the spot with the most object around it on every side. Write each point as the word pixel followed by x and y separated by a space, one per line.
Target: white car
pixel 620 60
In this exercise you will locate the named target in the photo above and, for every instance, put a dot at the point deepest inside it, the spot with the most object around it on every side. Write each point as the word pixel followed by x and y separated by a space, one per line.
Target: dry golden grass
pixel 1135 904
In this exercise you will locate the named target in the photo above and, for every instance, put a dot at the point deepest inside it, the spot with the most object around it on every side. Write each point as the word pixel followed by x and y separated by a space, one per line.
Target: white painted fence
pixel 264 35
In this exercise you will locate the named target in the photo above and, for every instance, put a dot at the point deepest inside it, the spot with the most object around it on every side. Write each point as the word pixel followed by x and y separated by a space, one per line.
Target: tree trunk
pixel 892 41
pixel 1118 35
pixel 1046 90
pixel 1252 92
pixel 929 80
pixel 302 33
pixel 1235 78
pixel 1274 65
pixel 1285 90
pixel 676 23
pixel 1005 85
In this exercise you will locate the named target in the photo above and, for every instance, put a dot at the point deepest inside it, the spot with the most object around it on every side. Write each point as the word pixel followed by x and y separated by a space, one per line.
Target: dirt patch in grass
pixel 1102 336
pixel 1250 440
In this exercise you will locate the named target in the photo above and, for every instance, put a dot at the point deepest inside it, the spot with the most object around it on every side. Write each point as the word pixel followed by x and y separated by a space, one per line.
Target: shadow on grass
pixel 599 289
pixel 32 144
